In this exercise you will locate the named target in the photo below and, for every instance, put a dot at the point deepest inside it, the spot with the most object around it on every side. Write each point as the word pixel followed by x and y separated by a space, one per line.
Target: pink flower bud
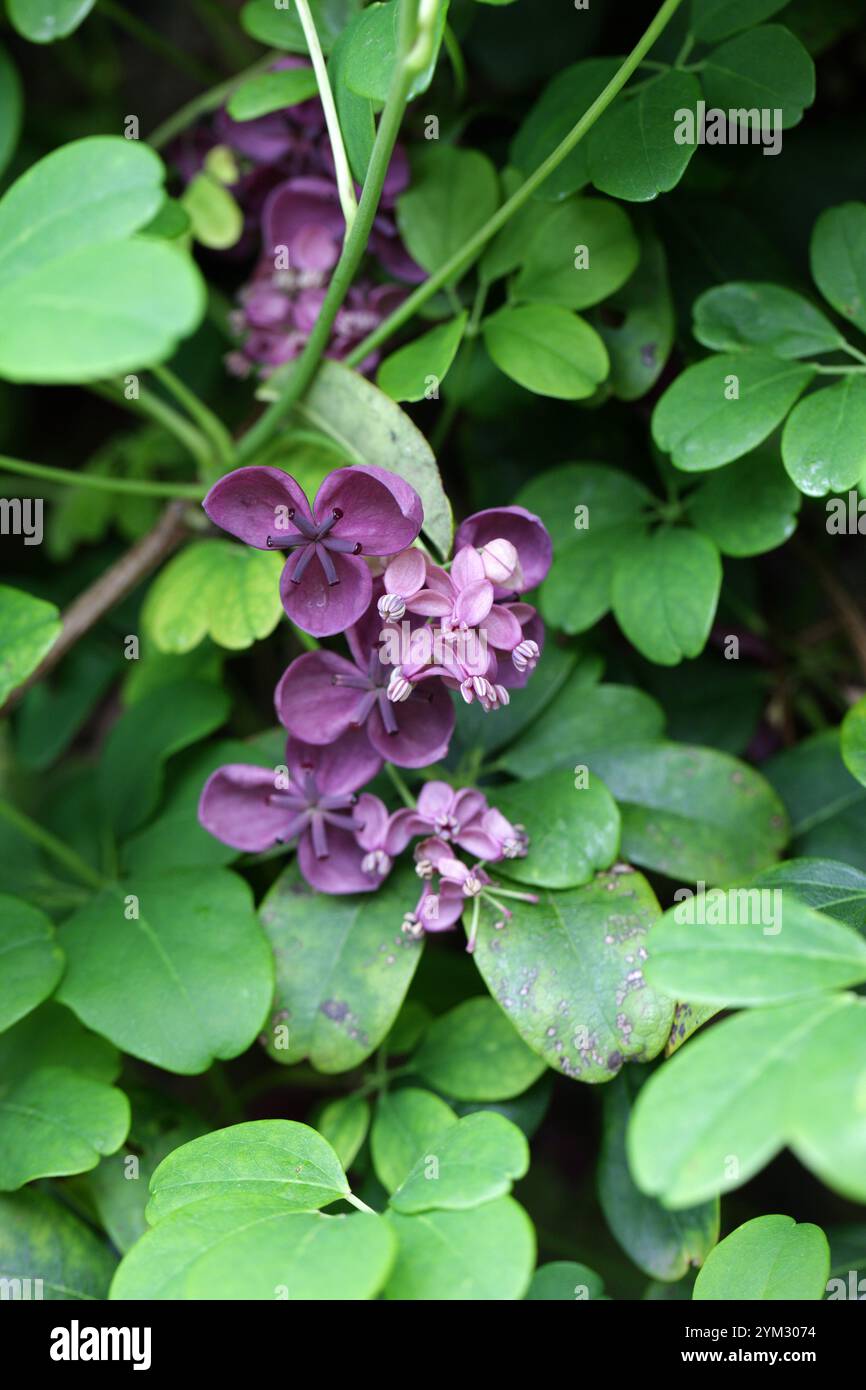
pixel 499 558
pixel 391 606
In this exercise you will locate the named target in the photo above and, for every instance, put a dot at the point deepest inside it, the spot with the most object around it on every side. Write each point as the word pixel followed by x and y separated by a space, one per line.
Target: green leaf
pixel 568 972
pixel 277 1158
pixel 11 104
pixel 354 113
pixel 344 1123
pixel 28 628
pixel 473 1053
pixel 566 1280
pixel 547 349
pixel 215 218
pixel 838 890
pixel 743 314
pixel 371 58
pixel 486 1254
pixel 582 721
pixel 452 194
pixel 215 589
pixel 826 804
pixel 65 266
pixel 573 829
pixel 702 425
pixel 665 591
pixel 747 508
pixel 405 1122
pixel 637 324
pixel 62 1257
pixel 853 740
pixel 271 91
pixel 664 1244
pixel 838 260
pixel 824 439
pixel 464 1165
pixel 43 21
pixel 579 255
pixel 52 712
pixel 51 1036
pixel 767 68
pixel 726 1104
pixel 343 968
pixel 55 1121
pixel 118 1187
pixel 765 1260
pixel 370 428
pixel 593 514
pixel 750 945
pixel 281 27
pixel 130 771
pixel 247 1246
pixel 475 730
pixel 632 151
pixel 569 93
pixel 692 813
pixel 32 960
pixel 718 19
pixel 185 981
pixel 410 371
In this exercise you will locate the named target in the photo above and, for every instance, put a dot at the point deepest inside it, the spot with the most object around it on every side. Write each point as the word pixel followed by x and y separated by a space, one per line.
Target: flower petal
pixel 340 767
pixel 467 568
pixel 474 602
pixel 250 503
pixel 321 608
pixel 526 532
pixel 308 702
pixel 435 799
pixel 424 729
pixel 370 815
pixel 340 871
pixel 406 573
pixel 379 509
pixel 502 628
pixel 234 807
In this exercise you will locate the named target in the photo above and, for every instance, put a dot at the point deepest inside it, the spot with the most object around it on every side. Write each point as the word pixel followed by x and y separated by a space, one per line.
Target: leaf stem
pixel 345 185
pixel 355 243
pixel 206 102
pixel 52 845
pixel 210 424
pixel 154 408
pixel 135 486
pixel 400 786
pixel 356 1202
pixel 468 253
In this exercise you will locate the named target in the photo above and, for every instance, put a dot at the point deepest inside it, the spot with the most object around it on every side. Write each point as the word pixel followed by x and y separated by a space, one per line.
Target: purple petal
pixel 502 628
pixel 526 532
pixel 474 603
pixel 468 567
pixel 402 827
pixel 247 504
pixel 406 573
pixel 296 205
pixel 308 702
pixel 424 729
pixel 234 807
pixel 371 821
pixel 435 799
pixel 264 140
pixel 478 843
pixel 379 509
pixel 532 629
pixel 321 608
pixel 340 767
pixel 340 871
pixel 468 804
pixel 449 904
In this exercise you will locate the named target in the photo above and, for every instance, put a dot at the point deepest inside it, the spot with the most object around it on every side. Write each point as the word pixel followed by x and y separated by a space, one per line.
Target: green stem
pixel 210 424
pixel 455 57
pixel 345 184
pixel 206 102
pixel 462 259
pixel 134 486
pixel 354 246
pixel 400 786
pixel 161 413
pixel 151 39
pixel 854 352
pixel 834 371
pixel 356 1202
pixel 50 843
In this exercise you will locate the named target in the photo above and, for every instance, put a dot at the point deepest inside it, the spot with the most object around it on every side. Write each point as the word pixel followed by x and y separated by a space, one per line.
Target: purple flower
pixel 326 585
pixel 322 694
pixel 453 817
pixel 380 834
pixel 251 809
pixel 525 531
pixel 437 909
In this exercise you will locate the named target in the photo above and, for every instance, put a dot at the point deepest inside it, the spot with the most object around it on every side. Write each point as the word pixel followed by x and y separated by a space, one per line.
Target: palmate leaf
pixel 28 628
pixel 632 151
pixel 472 1052
pixel 474 1161
pixel 664 593
pixel 44 21
pixel 32 960
pixel 215 589
pixel 404 1123
pixel 768 1259
pixel 486 1253
pixel 573 829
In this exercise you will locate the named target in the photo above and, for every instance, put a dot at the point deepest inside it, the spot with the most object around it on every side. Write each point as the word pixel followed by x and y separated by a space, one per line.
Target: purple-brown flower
pixel 362 511
pixel 253 808
pixel 524 530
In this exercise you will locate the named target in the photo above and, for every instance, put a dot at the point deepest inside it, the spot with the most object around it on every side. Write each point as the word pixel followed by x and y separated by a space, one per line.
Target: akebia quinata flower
pixel 358 512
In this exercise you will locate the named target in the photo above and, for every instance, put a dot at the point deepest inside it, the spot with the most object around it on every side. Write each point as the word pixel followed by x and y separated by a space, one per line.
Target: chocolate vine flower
pixel 454 817
pixel 527 534
pixel 313 801
pixel 322 694
pixel 380 834
pixel 362 511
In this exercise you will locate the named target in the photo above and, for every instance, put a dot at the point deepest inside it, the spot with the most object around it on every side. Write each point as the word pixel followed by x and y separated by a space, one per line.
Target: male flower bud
pixel 399 688
pixel 391 606
pixel 525 655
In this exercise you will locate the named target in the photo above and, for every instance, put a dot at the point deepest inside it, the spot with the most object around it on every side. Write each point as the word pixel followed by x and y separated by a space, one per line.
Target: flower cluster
pixel 415 631
pixel 286 187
